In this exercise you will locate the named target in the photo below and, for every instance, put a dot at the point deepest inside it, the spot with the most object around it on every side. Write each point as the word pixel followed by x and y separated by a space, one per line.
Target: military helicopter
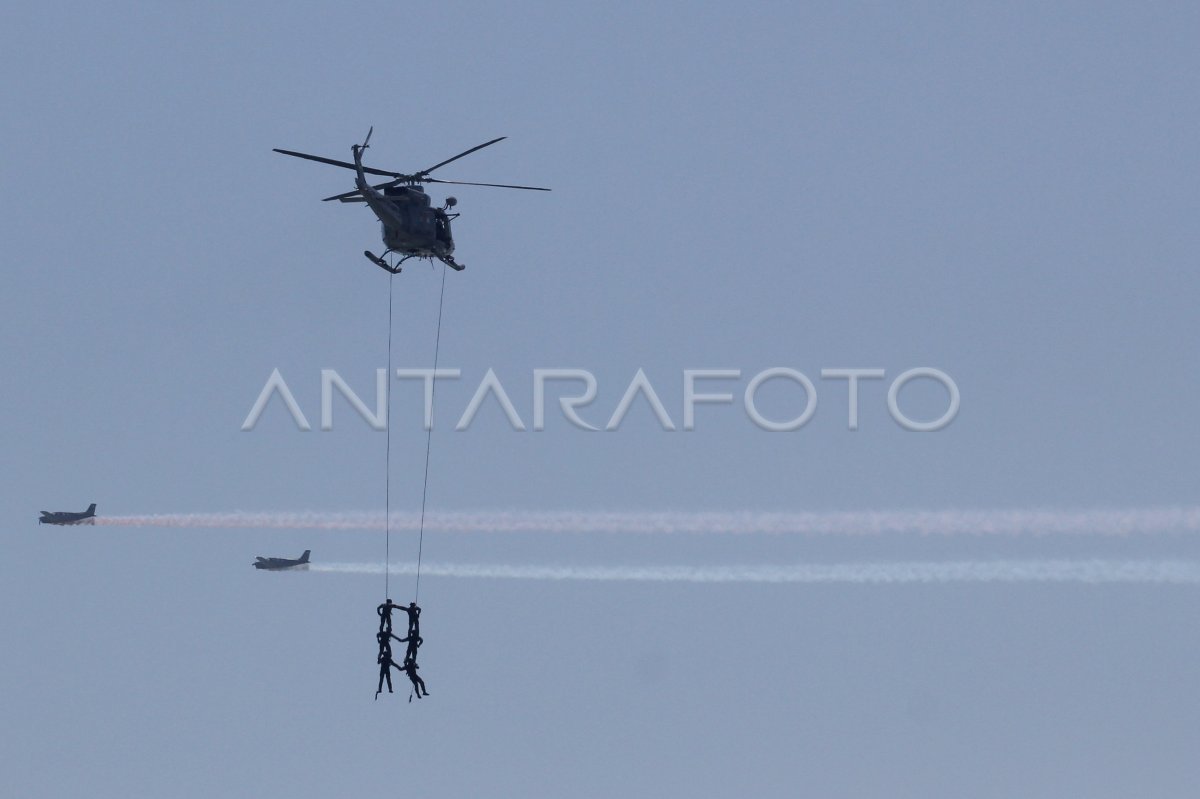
pixel 411 227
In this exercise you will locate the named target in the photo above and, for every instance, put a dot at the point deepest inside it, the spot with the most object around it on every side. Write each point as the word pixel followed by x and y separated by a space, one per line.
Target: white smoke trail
pixel 1135 521
pixel 999 571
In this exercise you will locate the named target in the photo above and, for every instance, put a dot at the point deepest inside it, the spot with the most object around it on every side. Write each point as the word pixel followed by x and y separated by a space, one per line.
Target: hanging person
pixel 386 664
pixel 385 614
pixel 385 645
pixel 414 618
pixel 414 642
pixel 410 668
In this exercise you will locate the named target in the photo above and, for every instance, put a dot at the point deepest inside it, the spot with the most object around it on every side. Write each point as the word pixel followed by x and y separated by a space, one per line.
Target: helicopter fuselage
pixel 409 225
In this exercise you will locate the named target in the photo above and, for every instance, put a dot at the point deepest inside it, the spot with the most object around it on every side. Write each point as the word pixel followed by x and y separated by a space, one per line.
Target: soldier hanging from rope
pixel 410 668
pixel 385 615
pixel 386 664
pixel 383 638
pixel 414 642
pixel 414 618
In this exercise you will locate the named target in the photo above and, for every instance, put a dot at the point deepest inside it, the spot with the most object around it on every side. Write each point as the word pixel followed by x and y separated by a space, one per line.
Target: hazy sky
pixel 1003 192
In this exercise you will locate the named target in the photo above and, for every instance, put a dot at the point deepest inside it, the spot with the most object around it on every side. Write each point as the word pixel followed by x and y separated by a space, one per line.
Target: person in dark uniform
pixel 414 618
pixel 410 668
pixel 383 638
pixel 386 664
pixel 385 614
pixel 414 643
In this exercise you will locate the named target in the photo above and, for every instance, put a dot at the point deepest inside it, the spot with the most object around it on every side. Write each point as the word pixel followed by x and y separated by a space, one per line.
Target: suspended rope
pixel 429 435
pixel 387 470
pixel 413 611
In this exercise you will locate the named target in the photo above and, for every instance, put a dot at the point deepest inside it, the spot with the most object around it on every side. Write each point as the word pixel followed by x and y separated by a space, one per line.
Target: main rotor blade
pixel 377 187
pixel 354 193
pixel 332 162
pixel 493 185
pixel 460 155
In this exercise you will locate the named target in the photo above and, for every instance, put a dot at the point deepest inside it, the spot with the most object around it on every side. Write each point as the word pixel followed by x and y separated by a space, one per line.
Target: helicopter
pixel 412 228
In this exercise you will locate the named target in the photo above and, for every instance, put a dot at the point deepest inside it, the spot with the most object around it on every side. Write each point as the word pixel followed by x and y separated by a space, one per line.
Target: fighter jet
pixel 69 517
pixel 282 564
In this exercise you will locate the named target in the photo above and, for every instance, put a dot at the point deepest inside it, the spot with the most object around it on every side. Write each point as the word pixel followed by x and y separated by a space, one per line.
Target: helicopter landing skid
pixel 382 264
pixel 450 262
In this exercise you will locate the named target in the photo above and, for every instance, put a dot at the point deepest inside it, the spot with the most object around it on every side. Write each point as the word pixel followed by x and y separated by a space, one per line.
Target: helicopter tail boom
pixel 360 177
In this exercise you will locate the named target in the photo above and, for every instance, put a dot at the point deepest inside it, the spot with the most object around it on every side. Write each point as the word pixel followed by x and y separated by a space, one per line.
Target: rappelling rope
pixel 387 471
pixel 429 434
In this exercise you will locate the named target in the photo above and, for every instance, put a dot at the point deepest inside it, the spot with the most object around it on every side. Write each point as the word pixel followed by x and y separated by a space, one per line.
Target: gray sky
pixel 1006 193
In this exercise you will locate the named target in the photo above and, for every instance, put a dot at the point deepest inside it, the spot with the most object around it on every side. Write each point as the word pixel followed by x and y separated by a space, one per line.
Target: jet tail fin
pixel 92 509
pixel 304 557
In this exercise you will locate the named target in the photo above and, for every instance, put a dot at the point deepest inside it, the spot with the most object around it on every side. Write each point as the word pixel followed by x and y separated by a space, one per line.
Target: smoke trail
pixel 1000 571
pixel 1136 521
